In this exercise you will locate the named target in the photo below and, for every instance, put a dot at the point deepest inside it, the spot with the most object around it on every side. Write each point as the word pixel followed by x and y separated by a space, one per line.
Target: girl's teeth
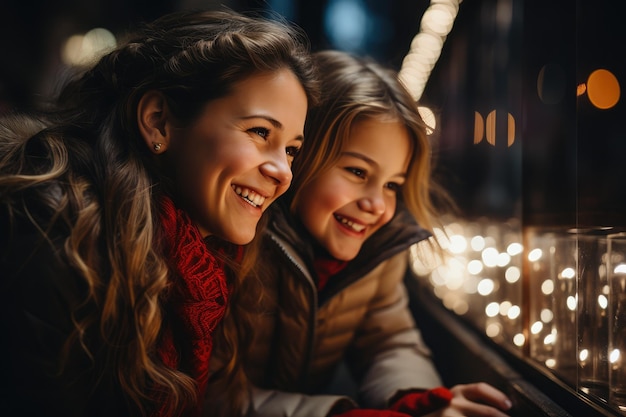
pixel 351 224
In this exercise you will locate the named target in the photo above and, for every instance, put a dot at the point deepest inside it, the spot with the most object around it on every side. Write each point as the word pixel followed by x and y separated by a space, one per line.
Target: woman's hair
pixel 98 180
pixel 357 89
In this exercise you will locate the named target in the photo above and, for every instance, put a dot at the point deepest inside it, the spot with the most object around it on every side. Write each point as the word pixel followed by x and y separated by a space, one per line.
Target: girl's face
pixel 357 196
pixel 235 159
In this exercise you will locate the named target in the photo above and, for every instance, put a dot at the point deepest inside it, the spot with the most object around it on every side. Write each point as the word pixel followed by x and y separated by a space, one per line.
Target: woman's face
pixel 235 159
pixel 357 196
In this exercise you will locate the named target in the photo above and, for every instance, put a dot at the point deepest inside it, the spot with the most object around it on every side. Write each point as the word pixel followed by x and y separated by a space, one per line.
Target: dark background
pixel 564 165
pixel 32 31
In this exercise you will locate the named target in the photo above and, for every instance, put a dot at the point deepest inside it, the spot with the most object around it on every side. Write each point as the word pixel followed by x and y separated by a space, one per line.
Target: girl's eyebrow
pixel 369 160
pixel 360 156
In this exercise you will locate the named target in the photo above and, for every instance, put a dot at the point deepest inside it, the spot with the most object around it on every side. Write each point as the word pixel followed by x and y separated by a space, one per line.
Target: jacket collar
pixel 396 236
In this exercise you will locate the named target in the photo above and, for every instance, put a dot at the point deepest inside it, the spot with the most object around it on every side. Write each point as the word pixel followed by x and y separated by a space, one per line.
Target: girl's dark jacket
pixel 361 316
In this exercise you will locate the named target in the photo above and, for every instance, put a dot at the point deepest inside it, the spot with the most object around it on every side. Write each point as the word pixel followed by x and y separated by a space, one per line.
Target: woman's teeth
pixel 249 196
pixel 352 225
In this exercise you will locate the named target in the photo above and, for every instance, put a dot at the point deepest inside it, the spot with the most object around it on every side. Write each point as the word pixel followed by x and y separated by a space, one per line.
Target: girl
pixel 335 254
pixel 111 288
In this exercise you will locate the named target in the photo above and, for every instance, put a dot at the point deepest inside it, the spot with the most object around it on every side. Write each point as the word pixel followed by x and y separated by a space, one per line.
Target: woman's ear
pixel 152 121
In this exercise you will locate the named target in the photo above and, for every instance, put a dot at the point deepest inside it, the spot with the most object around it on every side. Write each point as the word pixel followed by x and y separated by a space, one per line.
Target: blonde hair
pixel 356 89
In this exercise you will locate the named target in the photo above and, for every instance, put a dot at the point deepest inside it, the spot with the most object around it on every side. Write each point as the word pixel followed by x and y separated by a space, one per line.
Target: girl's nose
pixel 374 204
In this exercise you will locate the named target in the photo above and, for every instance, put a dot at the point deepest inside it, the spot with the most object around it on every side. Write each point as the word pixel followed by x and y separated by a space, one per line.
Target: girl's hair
pixel 356 89
pixel 100 183
pixel 353 89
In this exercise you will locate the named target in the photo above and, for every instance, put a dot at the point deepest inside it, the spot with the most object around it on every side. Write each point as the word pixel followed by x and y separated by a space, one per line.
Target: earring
pixel 157 146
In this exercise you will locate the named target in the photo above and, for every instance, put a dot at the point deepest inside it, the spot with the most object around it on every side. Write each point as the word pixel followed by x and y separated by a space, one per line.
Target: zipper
pixel 306 363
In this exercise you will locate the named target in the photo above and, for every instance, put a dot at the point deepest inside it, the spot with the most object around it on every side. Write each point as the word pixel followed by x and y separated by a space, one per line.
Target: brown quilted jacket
pixel 361 317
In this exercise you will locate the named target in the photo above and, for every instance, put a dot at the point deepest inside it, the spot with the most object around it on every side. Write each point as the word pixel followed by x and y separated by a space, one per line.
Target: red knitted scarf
pixel 326 267
pixel 196 300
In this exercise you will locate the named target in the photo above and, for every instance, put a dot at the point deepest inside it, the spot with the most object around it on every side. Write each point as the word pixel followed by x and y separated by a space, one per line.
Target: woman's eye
pixel 293 151
pixel 260 131
pixel 357 171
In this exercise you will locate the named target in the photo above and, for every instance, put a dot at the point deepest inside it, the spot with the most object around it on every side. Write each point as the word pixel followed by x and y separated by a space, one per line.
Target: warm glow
pixel 429 119
pixel 519 340
pixel 546 315
pixel 460 307
pixel 583 355
pixel 535 254
pixel 87 48
pixel 503 259
pixel 471 285
pixel 547 287
pixel 490 128
pixel 510 130
pixel 458 244
pixel 474 267
pixel 479 128
pixel 485 286
pixel 493 329
pixel 603 89
pixel 568 273
pixel 492 309
pixel 614 356
pixel 426 46
pixel 490 256
pixel 514 312
pixel 477 243
pixel 514 249
pixel 571 302
pixel 512 274
pixel 505 306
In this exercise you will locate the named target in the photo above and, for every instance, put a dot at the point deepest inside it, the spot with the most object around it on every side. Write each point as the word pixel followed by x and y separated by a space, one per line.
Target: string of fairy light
pixel 426 46
pixel 425 50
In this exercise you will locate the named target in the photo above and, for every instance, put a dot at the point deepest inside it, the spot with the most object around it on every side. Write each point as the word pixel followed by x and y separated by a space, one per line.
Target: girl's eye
pixel 260 131
pixel 357 171
pixel 394 186
pixel 293 151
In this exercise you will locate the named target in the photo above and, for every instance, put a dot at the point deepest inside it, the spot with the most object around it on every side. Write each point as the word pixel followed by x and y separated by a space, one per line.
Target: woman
pixel 112 203
pixel 334 255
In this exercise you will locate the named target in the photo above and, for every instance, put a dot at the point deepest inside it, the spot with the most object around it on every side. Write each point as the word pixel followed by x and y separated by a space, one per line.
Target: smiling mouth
pixel 249 196
pixel 357 227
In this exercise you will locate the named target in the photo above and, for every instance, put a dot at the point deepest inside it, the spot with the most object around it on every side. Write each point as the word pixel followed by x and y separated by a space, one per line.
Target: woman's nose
pixel 278 169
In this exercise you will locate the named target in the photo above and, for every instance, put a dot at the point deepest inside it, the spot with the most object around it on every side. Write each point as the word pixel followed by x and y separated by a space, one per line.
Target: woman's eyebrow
pixel 272 121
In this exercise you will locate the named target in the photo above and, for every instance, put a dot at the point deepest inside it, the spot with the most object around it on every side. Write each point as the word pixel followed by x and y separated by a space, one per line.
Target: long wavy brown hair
pixel 84 164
